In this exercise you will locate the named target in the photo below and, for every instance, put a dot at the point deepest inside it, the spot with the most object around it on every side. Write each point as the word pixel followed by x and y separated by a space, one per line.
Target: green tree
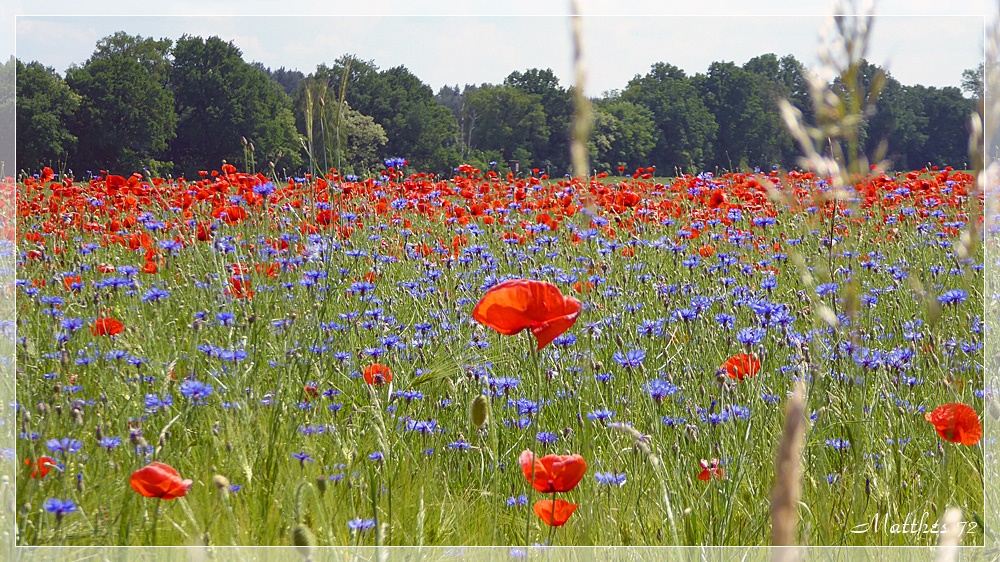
pixel 557 102
pixel 7 111
pixel 45 107
pixel 509 121
pixel 365 139
pixel 686 128
pixel 126 115
pixel 624 135
pixel 288 79
pixel 222 100
pixel 900 123
pixel 454 99
pixel 947 127
pixel 972 81
pixel 745 134
pixel 780 79
pixel 418 128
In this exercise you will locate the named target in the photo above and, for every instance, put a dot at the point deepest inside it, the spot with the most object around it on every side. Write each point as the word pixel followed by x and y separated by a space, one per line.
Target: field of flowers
pixel 237 360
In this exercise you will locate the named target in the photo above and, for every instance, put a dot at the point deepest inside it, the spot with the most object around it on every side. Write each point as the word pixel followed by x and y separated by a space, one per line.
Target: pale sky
pixel 479 41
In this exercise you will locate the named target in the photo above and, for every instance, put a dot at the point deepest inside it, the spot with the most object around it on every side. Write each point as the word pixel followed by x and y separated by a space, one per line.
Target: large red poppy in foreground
pixel 514 305
pixel 956 422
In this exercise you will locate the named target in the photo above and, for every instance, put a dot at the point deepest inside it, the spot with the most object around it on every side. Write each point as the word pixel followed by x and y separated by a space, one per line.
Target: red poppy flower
pixel 741 366
pixel 710 469
pixel 377 374
pixel 956 422
pixel 514 305
pixel 554 514
pixel 204 232
pixel 41 465
pixel 553 473
pixel 107 327
pixel 234 214
pixel 717 199
pixel 68 282
pixel 239 288
pixel 158 480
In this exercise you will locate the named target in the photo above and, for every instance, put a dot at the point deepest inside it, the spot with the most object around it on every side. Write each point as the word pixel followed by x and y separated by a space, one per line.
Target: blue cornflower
pixel 303 458
pixel 59 507
pixel 376 456
pixel 838 444
pixel 110 443
pixel 600 415
pixel 71 324
pixel 632 358
pixel 521 500
pixel 686 314
pixel 954 296
pixel 659 389
pixel 360 525
pixel 610 479
pixel 726 321
pixel 826 289
pixel 546 437
pixel 64 445
pixel 155 294
pixel 155 403
pixel 564 340
pixel 671 421
pixel 750 336
pixel 195 390
pixel 421 426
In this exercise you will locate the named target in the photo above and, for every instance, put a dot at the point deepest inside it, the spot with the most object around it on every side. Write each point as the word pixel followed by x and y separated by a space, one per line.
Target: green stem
pixel 156 516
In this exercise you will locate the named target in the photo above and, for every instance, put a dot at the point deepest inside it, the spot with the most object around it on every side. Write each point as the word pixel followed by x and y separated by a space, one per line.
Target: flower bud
pixel 304 540
pixel 479 411
pixel 221 482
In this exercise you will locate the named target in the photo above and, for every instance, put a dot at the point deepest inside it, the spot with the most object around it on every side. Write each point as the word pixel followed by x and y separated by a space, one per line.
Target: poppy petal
pixel 554 514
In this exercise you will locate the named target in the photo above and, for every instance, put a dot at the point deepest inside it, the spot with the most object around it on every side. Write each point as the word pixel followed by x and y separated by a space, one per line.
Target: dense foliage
pixel 178 108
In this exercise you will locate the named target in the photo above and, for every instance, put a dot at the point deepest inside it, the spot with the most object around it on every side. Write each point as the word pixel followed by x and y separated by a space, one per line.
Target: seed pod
pixel 221 482
pixel 479 411
pixel 691 432
pixel 304 540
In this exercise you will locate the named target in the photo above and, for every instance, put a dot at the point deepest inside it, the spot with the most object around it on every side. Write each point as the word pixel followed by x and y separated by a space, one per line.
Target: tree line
pixel 180 107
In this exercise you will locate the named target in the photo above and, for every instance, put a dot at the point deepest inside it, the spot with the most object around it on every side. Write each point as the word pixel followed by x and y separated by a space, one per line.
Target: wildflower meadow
pixel 382 352
pixel 491 359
